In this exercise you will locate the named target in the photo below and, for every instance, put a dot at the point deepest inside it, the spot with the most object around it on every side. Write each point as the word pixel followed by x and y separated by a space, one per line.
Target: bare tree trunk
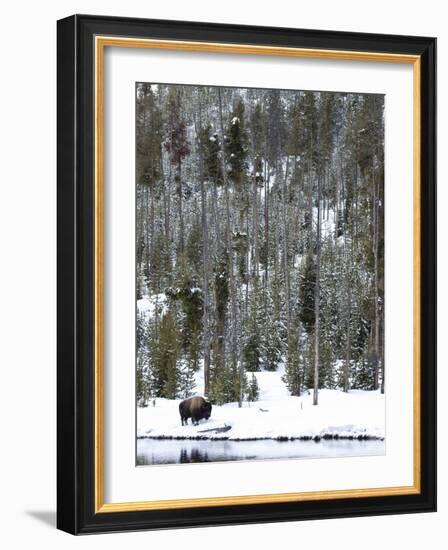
pixel 247 260
pixel 266 221
pixel 205 259
pixel 346 381
pixel 234 319
pixel 346 372
pixel 338 191
pixel 317 301
pixel 181 210
pixel 266 245
pixel 168 210
pixel 152 226
pixel 166 219
pixel 255 227
pixel 383 374
pixel 277 306
pixel 375 260
pixel 285 251
pixel 148 235
pixel 140 231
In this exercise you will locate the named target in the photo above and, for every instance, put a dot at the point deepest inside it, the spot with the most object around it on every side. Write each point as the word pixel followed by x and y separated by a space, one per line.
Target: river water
pixel 180 451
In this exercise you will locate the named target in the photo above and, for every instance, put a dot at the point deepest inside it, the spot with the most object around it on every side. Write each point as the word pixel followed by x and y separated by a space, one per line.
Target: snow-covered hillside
pixel 276 415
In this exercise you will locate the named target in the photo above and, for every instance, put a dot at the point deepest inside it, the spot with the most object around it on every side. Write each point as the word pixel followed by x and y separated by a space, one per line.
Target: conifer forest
pixel 259 241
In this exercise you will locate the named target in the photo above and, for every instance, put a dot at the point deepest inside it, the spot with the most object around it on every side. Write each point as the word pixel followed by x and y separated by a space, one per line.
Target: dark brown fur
pixel 195 408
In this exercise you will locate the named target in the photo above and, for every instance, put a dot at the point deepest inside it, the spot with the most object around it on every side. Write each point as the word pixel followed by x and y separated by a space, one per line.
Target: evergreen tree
pixel 306 294
pixel 236 148
pixel 272 347
pixel 252 350
pixel 294 373
pixel 253 390
pixel 187 382
pixel 190 297
pixel 212 163
pixel 165 361
pixel 144 360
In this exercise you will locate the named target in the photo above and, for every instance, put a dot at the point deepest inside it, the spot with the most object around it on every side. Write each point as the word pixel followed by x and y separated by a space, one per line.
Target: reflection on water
pixel 193 455
pixel 181 451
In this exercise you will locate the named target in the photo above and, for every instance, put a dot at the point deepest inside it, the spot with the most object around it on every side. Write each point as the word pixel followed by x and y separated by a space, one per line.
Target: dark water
pixel 175 451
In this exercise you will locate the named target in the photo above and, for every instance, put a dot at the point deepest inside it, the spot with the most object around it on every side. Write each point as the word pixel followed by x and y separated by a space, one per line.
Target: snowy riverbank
pixel 276 415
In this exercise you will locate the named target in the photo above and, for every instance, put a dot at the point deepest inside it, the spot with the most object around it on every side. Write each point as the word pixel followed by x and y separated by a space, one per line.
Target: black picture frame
pixel 76 512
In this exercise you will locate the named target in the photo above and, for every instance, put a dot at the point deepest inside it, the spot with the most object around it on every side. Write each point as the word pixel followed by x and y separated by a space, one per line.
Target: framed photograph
pixel 246 274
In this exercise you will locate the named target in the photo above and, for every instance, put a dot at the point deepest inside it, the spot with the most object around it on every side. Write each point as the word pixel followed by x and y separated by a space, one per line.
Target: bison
pixel 195 408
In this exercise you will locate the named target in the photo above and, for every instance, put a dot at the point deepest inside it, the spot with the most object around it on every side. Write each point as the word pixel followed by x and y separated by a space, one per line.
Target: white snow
pixel 328 223
pixel 276 415
pixel 147 305
pixel 235 120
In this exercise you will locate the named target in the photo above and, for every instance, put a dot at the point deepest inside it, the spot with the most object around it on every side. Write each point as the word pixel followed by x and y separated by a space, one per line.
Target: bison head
pixel 206 410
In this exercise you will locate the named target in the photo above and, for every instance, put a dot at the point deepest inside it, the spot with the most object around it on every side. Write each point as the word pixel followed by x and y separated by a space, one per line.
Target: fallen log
pixel 217 430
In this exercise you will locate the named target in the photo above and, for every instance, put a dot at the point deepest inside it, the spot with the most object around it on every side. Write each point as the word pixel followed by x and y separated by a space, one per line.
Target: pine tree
pixel 210 141
pixel 144 372
pixel 193 249
pixel 253 338
pixel 306 294
pixel 219 376
pixel 166 354
pixel 253 391
pixel 236 148
pixel 294 376
pixel 190 297
pixel 187 382
pixel 272 347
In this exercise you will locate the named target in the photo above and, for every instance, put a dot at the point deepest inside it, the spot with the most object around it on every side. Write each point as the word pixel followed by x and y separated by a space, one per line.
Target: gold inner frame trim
pixel 101 42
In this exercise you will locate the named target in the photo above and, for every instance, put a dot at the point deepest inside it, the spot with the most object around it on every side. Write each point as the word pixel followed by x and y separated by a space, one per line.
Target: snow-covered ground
pixel 276 415
pixel 147 305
